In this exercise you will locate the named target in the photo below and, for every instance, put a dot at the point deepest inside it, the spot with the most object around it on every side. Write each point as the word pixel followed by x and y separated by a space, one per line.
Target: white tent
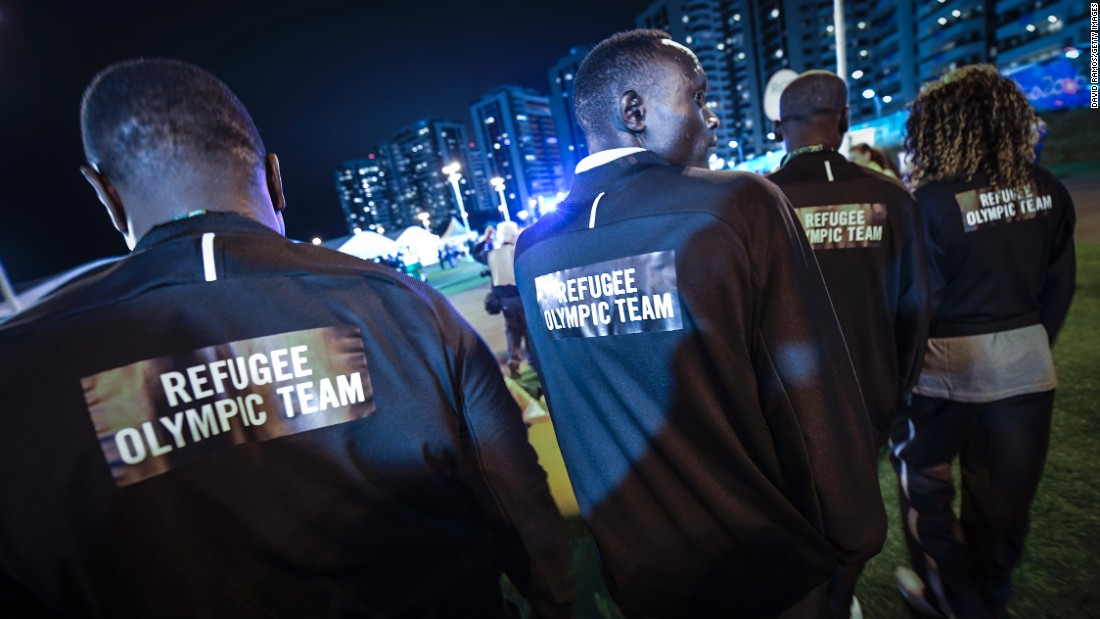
pixel 457 234
pixel 422 244
pixel 367 245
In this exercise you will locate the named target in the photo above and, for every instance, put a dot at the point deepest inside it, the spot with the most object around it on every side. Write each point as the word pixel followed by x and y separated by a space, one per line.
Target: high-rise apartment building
pixel 515 131
pixel 1032 31
pixel 952 34
pixel 1008 33
pixel 891 66
pixel 891 48
pixel 572 144
pixel 366 196
pixel 484 199
pixel 742 43
pixel 417 156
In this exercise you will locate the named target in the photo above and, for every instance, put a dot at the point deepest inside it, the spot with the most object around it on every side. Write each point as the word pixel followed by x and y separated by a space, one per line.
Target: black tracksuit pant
pixel 966 563
pixel 515 327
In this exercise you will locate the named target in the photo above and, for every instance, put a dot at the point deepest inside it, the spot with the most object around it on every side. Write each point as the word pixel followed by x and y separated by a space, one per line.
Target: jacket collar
pixel 612 175
pixel 605 156
pixel 805 150
pixel 196 224
pixel 813 162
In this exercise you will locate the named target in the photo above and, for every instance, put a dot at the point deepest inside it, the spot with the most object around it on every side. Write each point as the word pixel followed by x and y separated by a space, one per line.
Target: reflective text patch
pixel 841 226
pixel 159 414
pixel 989 207
pixel 636 294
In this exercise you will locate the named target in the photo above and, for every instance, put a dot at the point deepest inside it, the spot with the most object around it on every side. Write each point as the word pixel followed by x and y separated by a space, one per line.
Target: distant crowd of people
pixel 875 158
pixel 226 423
pixel 450 254
pixel 403 263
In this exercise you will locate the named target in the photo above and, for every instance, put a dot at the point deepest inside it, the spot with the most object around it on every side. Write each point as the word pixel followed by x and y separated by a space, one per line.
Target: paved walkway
pixel 466 289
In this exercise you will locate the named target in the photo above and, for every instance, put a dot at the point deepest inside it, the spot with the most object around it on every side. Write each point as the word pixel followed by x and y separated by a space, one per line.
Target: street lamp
pixel 740 153
pixel 453 177
pixel 870 94
pixel 498 184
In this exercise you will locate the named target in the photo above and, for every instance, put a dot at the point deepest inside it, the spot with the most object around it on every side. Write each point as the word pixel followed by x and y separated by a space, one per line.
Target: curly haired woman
pixel 999 234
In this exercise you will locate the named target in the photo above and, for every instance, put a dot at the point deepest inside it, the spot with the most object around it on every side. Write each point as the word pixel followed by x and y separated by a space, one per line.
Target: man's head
pixel 813 109
pixel 641 88
pixel 164 138
pixel 507 232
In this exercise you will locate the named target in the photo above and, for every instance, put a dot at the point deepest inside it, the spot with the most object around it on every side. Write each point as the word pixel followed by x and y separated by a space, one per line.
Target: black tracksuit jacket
pixel 999 258
pixel 411 508
pixel 866 235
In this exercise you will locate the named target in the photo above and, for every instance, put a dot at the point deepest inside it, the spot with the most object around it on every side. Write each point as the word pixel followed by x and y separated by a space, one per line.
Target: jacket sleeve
pixel 804 366
pixel 913 305
pixel 1062 270
pixel 504 472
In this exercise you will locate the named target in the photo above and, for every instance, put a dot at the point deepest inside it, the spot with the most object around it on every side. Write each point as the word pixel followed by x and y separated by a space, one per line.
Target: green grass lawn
pixel 1060 573
pixel 452 281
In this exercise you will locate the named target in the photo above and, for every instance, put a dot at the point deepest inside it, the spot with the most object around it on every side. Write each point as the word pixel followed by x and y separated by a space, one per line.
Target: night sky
pixel 325 81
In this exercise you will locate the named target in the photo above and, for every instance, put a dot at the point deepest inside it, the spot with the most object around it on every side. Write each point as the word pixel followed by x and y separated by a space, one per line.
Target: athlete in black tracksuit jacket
pixel 1002 270
pixel 701 394
pixel 863 228
pixel 228 424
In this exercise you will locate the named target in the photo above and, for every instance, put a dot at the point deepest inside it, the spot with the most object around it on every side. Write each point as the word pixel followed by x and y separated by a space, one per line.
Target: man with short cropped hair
pixel 229 424
pixel 862 227
pixel 700 390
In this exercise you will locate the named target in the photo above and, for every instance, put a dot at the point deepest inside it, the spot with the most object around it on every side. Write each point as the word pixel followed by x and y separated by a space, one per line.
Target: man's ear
pixel 109 197
pixel 274 182
pixel 844 120
pixel 632 111
pixel 777 129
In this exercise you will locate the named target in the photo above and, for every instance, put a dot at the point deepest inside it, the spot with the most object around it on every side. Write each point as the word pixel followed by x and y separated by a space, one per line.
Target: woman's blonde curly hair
pixel 974 119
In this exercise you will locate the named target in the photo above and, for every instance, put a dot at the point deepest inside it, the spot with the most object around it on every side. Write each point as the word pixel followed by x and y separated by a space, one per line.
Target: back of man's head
pixel 507 232
pixel 613 66
pixel 813 109
pixel 812 96
pixel 142 120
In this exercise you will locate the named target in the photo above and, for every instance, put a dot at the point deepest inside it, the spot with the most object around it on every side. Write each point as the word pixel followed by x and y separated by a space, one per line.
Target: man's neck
pixel 802 150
